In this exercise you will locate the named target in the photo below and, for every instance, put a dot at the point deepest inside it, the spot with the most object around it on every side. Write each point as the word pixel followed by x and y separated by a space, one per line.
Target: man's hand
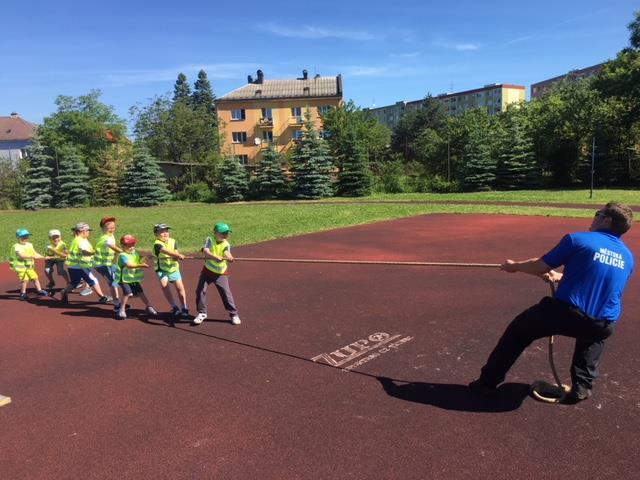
pixel 509 266
pixel 552 276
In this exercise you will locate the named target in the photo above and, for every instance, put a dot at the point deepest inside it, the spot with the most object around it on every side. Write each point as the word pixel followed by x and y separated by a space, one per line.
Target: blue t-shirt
pixel 597 267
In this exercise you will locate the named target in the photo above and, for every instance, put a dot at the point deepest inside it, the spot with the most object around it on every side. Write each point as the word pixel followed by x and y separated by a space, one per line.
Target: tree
pixel 516 167
pixel 112 167
pixel 72 182
pixel 355 179
pixel 430 115
pixel 479 167
pixel 144 184
pixel 12 177
pixel 312 165
pixel 271 181
pixel 181 89
pixel 203 96
pixel 233 183
pixel 37 191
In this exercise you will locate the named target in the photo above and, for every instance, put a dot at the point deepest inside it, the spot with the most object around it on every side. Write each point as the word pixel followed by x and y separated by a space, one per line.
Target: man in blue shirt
pixel 587 304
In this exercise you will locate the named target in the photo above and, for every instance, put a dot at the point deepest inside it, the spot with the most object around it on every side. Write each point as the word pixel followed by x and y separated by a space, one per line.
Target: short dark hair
pixel 621 217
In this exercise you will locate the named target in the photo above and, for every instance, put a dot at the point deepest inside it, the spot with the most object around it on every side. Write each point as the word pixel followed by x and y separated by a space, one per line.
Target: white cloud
pixel 214 71
pixel 405 55
pixel 312 32
pixel 460 47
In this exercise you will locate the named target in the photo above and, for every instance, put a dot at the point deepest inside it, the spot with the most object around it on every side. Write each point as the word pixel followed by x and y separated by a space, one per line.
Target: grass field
pixel 259 221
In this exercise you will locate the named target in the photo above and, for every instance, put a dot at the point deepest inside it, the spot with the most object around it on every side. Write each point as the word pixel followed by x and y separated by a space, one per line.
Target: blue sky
pixel 386 51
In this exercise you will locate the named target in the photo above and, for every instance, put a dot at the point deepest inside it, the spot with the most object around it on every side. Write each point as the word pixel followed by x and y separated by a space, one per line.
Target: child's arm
pixel 35 256
pixel 172 253
pixel 136 265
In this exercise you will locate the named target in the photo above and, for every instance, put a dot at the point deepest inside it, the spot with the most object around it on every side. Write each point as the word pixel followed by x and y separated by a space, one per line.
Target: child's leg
pixel 92 281
pixel 144 299
pixel 222 284
pixel 181 293
pixel 23 287
pixel 201 293
pixel 166 290
pixel 48 271
pixel 61 271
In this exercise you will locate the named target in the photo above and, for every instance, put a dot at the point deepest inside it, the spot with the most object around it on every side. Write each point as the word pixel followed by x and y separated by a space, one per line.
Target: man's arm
pixel 532 266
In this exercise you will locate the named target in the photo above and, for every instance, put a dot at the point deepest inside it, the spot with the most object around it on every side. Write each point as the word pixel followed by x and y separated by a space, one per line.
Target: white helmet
pixel 54 233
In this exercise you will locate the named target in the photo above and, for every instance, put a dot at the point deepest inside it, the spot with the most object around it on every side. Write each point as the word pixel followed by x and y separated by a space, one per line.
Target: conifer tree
pixel 516 167
pixel 312 164
pixel 72 183
pixel 355 179
pixel 233 183
pixel 144 184
pixel 181 89
pixel 38 179
pixel 479 169
pixel 203 96
pixel 109 173
pixel 270 178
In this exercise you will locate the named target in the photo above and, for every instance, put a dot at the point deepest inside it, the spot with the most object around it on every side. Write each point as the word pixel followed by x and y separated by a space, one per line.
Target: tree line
pixel 81 155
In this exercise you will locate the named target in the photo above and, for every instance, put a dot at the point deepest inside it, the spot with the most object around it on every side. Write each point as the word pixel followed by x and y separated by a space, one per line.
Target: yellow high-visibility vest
pixel 218 250
pixel 18 264
pixel 75 258
pixel 104 255
pixel 129 275
pixel 166 263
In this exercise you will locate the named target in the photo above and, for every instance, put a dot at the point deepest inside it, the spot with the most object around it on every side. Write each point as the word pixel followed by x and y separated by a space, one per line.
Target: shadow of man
pixel 448 396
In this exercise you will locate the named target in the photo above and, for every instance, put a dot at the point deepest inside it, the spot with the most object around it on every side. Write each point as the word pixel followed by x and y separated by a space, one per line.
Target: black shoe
pixel 483 389
pixel 64 296
pixel 23 297
pixel 577 394
pixel 175 312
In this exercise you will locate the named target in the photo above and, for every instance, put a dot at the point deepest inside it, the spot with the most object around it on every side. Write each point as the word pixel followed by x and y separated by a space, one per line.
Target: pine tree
pixel 181 89
pixel 355 179
pixel 270 178
pixel 233 183
pixel 203 96
pixel 479 169
pixel 312 164
pixel 38 179
pixel 144 184
pixel 516 167
pixel 109 172
pixel 72 184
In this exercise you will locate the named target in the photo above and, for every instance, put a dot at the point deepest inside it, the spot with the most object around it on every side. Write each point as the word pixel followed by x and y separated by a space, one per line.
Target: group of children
pixel 122 266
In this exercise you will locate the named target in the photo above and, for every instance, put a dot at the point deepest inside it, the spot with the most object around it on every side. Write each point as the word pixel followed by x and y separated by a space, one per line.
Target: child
pixel 57 252
pixel 22 262
pixel 129 275
pixel 217 253
pixel 79 262
pixel 104 259
pixel 168 269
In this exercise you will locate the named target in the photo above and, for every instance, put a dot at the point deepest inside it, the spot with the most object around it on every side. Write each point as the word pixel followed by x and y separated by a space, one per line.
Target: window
pixel 297 134
pixel 239 137
pixel 323 109
pixel 267 113
pixel 238 114
pixel 267 136
pixel 296 112
pixel 242 159
pixel 324 134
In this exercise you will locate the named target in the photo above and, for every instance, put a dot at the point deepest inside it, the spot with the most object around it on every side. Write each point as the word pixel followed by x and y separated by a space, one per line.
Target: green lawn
pixel 258 221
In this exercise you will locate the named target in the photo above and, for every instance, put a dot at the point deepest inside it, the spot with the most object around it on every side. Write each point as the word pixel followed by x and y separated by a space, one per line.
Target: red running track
pixel 97 398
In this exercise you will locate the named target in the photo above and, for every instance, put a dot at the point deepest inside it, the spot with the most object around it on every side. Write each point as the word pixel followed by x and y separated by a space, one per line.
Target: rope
pixel 371 262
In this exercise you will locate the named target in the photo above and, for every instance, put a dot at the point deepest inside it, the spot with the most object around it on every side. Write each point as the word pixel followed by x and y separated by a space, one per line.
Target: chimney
pixel 249 79
pixel 339 84
pixel 305 75
pixel 14 115
pixel 260 77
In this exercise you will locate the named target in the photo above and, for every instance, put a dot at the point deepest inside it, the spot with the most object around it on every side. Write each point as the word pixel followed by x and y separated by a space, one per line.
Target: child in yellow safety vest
pixel 79 262
pixel 56 252
pixel 104 259
pixel 22 262
pixel 129 275
pixel 167 268
pixel 217 253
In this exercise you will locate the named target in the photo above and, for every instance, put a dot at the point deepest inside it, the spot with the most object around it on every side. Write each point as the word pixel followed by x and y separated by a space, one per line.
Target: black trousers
pixel 551 317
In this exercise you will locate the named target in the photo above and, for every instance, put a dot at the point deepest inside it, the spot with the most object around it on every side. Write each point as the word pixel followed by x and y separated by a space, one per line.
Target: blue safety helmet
pixel 22 232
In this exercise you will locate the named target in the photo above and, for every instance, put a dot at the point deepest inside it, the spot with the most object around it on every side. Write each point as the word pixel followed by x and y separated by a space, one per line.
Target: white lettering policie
pixel 609 258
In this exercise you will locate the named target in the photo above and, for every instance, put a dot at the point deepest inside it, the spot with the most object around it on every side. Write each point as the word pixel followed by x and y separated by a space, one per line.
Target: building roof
pixel 297 88
pixel 582 72
pixel 15 128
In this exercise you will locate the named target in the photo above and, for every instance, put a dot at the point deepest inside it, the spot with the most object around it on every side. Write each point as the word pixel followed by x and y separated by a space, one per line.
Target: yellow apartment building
pixel 272 112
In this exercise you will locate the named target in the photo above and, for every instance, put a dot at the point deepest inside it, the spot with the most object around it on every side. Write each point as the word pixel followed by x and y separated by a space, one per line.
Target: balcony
pixel 265 122
pixel 296 121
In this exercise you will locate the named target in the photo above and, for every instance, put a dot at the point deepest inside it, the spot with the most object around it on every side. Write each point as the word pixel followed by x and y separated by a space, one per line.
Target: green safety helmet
pixel 22 232
pixel 221 227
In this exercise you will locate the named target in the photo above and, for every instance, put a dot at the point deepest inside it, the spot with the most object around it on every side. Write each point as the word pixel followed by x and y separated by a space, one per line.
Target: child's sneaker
pixel 235 320
pixel 50 285
pixel 201 317
pixel 105 299
pixel 23 296
pixel 43 293
pixel 175 311
pixel 151 311
pixel 122 314
pixel 86 292
pixel 185 313
pixel 64 296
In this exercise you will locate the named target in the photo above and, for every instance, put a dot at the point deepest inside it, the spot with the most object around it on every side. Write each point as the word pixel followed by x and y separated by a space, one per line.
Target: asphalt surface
pixel 385 398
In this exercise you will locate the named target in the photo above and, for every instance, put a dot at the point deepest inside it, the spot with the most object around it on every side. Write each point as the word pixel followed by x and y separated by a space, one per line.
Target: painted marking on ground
pixel 4 400
pixel 375 345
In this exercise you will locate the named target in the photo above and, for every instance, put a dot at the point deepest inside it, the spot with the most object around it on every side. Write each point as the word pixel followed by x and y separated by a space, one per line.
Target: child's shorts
pixel 108 272
pixel 131 288
pixel 76 275
pixel 173 276
pixel 27 275
pixel 50 265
